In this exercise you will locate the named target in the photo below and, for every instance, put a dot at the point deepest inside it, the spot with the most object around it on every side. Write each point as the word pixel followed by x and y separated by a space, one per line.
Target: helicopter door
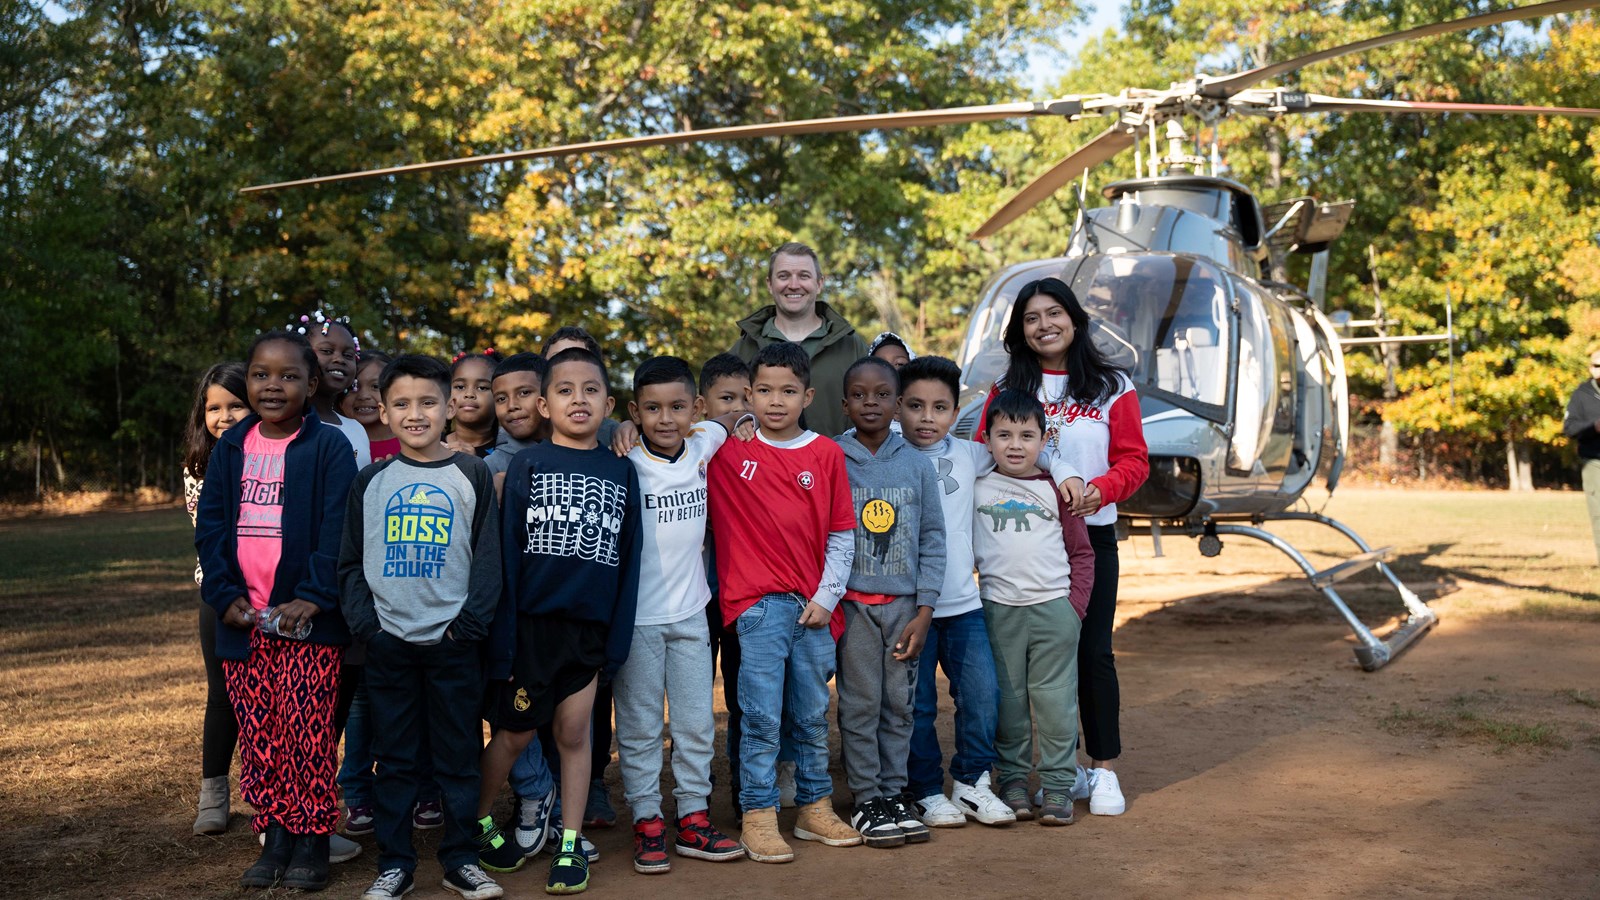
pixel 1264 395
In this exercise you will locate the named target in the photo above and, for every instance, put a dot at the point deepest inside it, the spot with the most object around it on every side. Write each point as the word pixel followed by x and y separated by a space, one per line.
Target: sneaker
pixel 1083 783
pixel 1014 794
pixel 599 814
pixel 585 846
pixel 358 819
pixel 876 823
pixel 910 825
pixel 786 789
pixel 1056 808
pixel 1105 798
pixel 427 815
pixel 698 838
pixel 496 852
pixel 472 883
pixel 391 885
pixel 936 811
pixel 342 849
pixel 569 871
pixel 650 847
pixel 533 822
pixel 978 802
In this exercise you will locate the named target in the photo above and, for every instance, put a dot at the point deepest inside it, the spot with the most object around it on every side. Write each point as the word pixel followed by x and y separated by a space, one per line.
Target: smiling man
pixel 794 278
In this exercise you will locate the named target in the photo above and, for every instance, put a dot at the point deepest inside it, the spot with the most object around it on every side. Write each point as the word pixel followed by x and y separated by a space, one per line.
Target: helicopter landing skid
pixel 1371 651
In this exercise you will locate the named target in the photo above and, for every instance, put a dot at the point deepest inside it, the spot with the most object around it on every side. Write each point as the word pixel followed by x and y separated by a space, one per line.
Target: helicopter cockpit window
pixel 1165 319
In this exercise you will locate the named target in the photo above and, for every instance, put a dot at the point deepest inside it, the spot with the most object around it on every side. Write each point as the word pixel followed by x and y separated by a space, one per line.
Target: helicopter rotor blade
pixel 1062 106
pixel 1228 85
pixel 1314 103
pixel 1106 144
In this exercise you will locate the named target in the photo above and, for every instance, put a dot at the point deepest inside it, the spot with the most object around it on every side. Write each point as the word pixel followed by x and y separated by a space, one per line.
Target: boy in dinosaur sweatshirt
pixel 1035 571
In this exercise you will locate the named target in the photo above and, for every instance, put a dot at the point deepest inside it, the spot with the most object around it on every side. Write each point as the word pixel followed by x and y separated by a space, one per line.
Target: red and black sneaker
pixel 698 838
pixel 650 847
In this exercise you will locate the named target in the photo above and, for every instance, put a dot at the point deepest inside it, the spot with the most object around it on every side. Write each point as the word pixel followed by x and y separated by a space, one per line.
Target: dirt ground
pixel 1258 759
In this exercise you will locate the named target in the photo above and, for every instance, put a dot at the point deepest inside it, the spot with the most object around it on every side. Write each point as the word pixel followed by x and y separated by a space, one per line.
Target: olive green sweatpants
pixel 1036 661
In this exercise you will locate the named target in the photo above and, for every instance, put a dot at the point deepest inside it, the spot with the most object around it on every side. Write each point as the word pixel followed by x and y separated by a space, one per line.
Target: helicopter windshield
pixel 1164 319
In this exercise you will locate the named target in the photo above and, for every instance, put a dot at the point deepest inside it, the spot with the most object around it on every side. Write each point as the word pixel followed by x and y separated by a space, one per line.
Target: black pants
pixel 1099 702
pixel 424 700
pixel 219 736
pixel 725 648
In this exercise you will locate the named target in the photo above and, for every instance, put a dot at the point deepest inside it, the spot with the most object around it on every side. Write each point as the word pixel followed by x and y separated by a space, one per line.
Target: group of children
pixel 541 550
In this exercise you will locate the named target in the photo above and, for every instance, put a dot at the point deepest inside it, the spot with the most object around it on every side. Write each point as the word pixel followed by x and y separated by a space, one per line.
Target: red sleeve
pixel 1127 455
pixel 1080 555
pixel 983 417
pixel 842 517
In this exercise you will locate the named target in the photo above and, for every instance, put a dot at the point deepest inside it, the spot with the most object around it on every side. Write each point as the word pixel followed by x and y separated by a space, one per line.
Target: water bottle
pixel 267 621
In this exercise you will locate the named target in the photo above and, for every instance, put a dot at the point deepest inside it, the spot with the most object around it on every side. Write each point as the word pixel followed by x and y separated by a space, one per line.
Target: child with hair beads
pixel 365 406
pixel 338 352
pixel 219 402
pixel 472 424
pixel 267 530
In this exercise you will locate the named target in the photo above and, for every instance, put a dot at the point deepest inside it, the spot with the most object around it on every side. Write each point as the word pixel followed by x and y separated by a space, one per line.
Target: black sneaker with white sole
pixel 391 884
pixel 910 824
pixel 877 824
pixel 472 883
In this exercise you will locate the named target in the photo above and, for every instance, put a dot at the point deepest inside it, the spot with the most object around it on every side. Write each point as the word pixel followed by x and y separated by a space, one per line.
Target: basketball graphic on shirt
pixel 418 514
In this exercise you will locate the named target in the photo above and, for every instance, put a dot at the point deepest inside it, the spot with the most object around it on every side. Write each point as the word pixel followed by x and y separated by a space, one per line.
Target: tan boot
pixel 213 816
pixel 818 822
pixel 761 839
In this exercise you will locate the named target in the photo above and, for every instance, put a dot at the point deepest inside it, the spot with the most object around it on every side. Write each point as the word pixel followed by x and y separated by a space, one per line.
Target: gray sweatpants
pixel 672 663
pixel 875 697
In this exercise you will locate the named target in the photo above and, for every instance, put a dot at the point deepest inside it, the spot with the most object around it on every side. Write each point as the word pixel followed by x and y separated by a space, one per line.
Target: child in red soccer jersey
pixel 783 519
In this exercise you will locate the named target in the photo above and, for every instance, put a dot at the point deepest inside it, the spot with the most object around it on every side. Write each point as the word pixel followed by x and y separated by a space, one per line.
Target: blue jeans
pixel 355 772
pixel 784 668
pixel 530 774
pixel 961 645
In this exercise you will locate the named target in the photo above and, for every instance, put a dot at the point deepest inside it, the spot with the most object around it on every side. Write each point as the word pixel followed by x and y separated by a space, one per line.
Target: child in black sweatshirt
pixel 570 538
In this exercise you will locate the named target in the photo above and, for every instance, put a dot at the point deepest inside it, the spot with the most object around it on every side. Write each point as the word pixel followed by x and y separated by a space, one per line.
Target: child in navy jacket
pixel 267 532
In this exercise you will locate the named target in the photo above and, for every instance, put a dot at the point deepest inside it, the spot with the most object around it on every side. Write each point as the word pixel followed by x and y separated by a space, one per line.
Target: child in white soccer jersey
pixel 670 660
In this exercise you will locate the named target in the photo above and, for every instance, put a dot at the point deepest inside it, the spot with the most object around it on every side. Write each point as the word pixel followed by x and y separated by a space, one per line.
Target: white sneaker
pixel 1105 798
pixel 1083 783
pixel 785 785
pixel 533 823
pixel 978 801
pixel 936 811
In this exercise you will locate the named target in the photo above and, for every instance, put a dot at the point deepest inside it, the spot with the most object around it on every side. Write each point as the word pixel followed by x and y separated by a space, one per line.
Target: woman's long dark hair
pixel 1091 378
pixel 197 441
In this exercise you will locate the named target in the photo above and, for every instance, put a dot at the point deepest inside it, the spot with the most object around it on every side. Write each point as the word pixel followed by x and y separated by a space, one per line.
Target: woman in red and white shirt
pixel 1092 421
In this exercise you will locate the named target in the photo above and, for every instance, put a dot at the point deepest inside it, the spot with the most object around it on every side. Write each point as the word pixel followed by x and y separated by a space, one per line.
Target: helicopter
pixel 1240 374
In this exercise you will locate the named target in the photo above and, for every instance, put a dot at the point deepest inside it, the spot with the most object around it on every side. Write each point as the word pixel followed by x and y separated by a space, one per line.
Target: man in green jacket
pixel 794 278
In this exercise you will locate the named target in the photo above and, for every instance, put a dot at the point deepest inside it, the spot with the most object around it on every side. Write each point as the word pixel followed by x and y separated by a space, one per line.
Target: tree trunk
pixel 1388 447
pixel 1519 468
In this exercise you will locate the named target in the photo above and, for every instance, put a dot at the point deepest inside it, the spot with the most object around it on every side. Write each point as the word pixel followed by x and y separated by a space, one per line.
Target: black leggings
pixel 220 733
pixel 1099 702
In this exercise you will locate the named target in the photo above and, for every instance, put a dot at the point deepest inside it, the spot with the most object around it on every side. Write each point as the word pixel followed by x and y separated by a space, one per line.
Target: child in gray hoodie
pixel 893 587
